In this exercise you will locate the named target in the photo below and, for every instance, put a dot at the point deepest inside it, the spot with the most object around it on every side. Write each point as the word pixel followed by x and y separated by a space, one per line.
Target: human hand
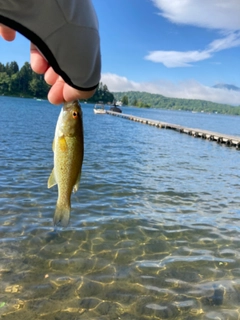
pixel 60 90
pixel 7 33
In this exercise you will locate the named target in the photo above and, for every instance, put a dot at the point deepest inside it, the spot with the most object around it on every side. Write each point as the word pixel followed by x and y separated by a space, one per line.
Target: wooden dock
pixel 228 140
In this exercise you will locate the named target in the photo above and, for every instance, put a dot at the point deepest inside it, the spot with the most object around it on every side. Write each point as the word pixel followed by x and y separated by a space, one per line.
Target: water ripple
pixel 154 231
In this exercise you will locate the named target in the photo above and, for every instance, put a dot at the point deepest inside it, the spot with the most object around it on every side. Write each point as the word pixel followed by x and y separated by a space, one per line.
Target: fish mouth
pixel 69 105
pixel 73 107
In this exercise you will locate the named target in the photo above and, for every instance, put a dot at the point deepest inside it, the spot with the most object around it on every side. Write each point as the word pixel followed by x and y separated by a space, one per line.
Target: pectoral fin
pixel 52 180
pixel 62 143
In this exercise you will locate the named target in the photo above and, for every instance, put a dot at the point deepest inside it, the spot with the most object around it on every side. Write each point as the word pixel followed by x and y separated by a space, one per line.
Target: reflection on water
pixel 154 231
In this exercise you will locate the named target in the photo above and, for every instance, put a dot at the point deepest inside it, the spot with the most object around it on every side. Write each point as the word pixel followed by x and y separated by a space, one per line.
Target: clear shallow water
pixel 155 225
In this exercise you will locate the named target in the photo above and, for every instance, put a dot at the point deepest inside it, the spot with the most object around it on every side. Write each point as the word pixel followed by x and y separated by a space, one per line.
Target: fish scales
pixel 68 148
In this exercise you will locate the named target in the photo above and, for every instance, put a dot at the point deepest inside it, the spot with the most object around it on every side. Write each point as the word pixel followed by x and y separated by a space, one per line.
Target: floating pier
pixel 230 141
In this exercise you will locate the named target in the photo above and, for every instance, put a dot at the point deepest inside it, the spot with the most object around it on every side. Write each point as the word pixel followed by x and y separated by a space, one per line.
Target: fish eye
pixel 75 114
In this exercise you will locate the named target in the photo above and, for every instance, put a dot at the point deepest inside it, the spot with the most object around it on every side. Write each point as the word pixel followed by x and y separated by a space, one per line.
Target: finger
pixel 51 76
pixel 55 95
pixel 61 92
pixel 70 93
pixel 7 33
pixel 38 63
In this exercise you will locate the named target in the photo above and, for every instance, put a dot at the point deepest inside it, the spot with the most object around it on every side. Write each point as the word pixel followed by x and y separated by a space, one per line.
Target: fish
pixel 68 149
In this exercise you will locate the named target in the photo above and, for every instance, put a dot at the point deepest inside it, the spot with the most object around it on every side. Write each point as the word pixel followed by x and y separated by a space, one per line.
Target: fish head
pixel 71 119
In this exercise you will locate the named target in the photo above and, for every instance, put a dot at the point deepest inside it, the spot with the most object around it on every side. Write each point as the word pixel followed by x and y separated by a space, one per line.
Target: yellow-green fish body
pixel 68 148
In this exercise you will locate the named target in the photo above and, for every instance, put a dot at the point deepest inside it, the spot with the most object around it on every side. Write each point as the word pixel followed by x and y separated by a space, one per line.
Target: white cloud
pixel 213 14
pixel 172 59
pixel 187 89
pixel 222 15
pixel 230 41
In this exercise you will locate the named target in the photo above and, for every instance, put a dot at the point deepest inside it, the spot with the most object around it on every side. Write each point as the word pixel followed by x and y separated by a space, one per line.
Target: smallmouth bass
pixel 68 148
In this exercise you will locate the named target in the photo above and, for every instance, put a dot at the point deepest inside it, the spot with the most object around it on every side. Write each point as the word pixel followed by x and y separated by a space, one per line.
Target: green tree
pixel 135 102
pixel 37 86
pixel 4 82
pixel 25 82
pixel 11 68
pixel 125 100
pixel 14 84
pixel 105 88
pixel 102 94
pixel 25 76
pixel 2 67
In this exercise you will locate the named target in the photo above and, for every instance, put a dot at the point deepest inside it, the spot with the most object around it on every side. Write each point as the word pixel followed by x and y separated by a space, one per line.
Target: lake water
pixel 155 224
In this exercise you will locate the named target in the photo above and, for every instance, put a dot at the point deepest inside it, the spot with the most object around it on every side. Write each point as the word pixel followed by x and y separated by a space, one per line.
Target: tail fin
pixel 61 215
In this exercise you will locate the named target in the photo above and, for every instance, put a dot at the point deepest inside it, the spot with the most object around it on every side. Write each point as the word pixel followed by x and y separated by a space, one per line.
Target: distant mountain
pixel 226 86
pixel 150 100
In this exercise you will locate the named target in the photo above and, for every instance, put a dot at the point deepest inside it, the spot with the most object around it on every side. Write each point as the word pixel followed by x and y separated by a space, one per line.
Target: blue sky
pixel 178 48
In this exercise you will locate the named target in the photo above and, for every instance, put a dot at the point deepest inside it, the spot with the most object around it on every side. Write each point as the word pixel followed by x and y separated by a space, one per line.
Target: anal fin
pixel 52 180
pixel 75 187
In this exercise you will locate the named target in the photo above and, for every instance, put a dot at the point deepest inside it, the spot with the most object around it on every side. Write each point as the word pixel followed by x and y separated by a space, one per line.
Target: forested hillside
pixel 145 99
pixel 26 83
pixel 23 82
pixel 102 94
